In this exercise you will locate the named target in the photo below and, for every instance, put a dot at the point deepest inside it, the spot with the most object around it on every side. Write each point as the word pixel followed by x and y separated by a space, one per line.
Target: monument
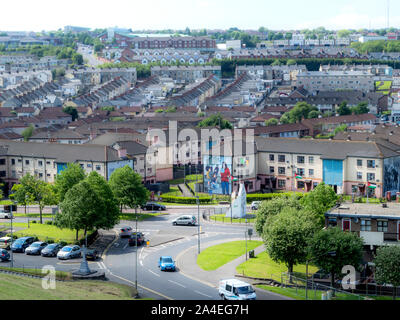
pixel 238 204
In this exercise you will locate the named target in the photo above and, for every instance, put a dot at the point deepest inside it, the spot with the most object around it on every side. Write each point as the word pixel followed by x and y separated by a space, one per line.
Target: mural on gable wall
pixel 391 175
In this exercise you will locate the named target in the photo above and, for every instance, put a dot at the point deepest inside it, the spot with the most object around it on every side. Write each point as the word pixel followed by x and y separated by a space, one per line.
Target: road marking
pixel 125 246
pixel 99 265
pixel 178 284
pixel 154 273
pixel 203 294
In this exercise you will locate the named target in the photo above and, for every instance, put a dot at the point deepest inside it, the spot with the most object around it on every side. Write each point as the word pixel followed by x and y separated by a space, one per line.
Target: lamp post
pixel 12 237
pixel 136 247
pixel 198 223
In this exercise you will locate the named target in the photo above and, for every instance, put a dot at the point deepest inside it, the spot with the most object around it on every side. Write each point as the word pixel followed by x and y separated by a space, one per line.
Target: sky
pixel 38 15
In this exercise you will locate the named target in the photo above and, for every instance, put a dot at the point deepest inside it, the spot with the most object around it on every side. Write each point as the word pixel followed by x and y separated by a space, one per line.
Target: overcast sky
pixel 212 14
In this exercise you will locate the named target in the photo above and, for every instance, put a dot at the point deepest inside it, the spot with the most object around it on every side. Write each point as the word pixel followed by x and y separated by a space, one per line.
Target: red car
pixel 132 239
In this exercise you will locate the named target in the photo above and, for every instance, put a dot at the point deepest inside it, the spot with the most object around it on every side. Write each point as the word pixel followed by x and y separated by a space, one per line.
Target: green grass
pixel 262 266
pixel 141 216
pixel 189 178
pixel 22 288
pixel 223 218
pixel 33 215
pixel 60 275
pixel 216 256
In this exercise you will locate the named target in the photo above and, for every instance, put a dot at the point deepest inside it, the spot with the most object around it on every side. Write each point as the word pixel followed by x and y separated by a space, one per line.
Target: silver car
pixel 36 248
pixel 185 220
pixel 125 232
pixel 69 252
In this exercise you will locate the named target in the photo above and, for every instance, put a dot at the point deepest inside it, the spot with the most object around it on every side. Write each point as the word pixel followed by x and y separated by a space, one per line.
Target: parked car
pixel 4 255
pixel 185 220
pixel 21 244
pixel 5 243
pixel 125 232
pixel 5 215
pixel 233 289
pixel 255 205
pixel 92 254
pixel 36 248
pixel 51 250
pixel 69 252
pixel 132 239
pixel 166 263
pixel 153 206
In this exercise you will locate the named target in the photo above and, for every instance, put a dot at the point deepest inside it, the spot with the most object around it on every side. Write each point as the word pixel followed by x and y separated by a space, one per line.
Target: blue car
pixel 21 244
pixel 4 255
pixel 166 263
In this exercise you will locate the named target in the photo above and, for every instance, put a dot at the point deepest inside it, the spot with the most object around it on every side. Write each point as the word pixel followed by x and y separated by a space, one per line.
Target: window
pixel 370 163
pixel 271 157
pixel 382 226
pixel 311 160
pixel 300 184
pixel 2 162
pixel 89 165
pixel 271 169
pixel 332 222
pixel 359 163
pixel 311 172
pixel 98 167
pixel 359 176
pixel 281 158
pixel 47 162
pixel 354 188
pixel 281 170
pixel 27 162
pixel 19 160
pixel 300 171
pixel 2 174
pixel 370 176
pixel 40 163
pixel 40 175
pixel 365 225
pixel 281 184
pixel 300 159
pixel 13 162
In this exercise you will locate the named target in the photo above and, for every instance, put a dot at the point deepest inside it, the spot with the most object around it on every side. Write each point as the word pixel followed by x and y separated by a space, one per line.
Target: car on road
pixel 166 263
pixel 233 289
pixel 36 248
pixel 5 215
pixel 4 255
pixel 255 205
pixel 125 232
pixel 132 239
pixel 69 252
pixel 92 254
pixel 5 243
pixel 21 244
pixel 153 206
pixel 51 250
pixel 185 220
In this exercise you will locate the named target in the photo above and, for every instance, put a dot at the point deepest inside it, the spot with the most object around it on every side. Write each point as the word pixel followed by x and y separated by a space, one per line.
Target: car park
pixel 92 254
pixel 233 289
pixel 4 255
pixel 5 214
pixel 166 263
pixel 154 206
pixel 36 248
pixel 132 239
pixel 51 250
pixel 21 244
pixel 125 232
pixel 185 220
pixel 255 205
pixel 69 252
pixel 5 243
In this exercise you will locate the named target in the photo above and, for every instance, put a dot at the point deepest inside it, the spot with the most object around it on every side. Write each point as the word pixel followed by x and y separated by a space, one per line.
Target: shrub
pixel 49 222
pixel 183 200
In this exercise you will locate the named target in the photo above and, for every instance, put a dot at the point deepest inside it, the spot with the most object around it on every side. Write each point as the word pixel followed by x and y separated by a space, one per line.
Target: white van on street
pixel 233 289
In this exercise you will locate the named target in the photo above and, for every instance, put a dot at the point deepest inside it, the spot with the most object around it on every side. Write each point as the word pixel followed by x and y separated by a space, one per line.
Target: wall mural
pixel 391 174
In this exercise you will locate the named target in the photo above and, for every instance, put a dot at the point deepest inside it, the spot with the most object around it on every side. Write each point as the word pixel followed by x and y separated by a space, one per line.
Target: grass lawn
pixel 262 266
pixel 223 218
pixel 22 288
pixel 216 256
pixel 45 231
pixel 60 275
pixel 141 216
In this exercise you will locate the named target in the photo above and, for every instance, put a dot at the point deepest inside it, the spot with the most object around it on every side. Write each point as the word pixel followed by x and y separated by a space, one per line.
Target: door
pixel 346 225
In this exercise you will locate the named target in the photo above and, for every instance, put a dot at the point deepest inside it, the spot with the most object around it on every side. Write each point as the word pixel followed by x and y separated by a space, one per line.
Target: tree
pixel 272 208
pixel 21 195
pixel 214 121
pixel 319 201
pixel 361 108
pixel 348 248
pixel 287 235
pixel 343 109
pixel 28 132
pixel 290 62
pixel 387 266
pixel 71 111
pixel 276 62
pixel 127 187
pixel 271 122
pixel 69 177
pixel 313 114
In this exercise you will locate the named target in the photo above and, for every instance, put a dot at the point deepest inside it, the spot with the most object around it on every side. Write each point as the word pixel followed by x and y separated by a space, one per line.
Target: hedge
pixel 185 200
pixel 269 196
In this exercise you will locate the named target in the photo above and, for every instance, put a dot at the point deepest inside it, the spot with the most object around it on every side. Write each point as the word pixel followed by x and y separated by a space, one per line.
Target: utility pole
pixel 136 247
pixel 198 223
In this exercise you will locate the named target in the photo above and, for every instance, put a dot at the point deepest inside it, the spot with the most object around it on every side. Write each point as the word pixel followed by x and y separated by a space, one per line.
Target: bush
pixel 34 221
pixel 269 196
pixel 183 200
pixel 62 243
pixel 49 222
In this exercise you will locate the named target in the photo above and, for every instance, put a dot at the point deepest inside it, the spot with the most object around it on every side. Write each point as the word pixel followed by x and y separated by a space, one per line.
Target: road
pixel 165 240
pixel 88 55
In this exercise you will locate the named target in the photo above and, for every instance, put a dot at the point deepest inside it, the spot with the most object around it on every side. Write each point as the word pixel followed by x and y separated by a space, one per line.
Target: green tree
pixel 271 122
pixel 276 62
pixel 71 111
pixel 387 266
pixel 361 108
pixel 20 194
pixel 313 114
pixel 319 201
pixel 28 132
pixel 343 109
pixel 348 248
pixel 340 128
pixel 286 236
pixel 215 120
pixel 127 187
pixel 290 62
pixel 69 177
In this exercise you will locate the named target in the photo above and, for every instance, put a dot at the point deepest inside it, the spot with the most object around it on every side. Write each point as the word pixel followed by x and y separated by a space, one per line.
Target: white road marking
pixel 125 246
pixel 154 273
pixel 100 266
pixel 178 284
pixel 203 294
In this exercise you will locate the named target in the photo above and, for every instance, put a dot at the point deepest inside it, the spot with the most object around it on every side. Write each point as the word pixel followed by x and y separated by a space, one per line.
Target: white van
pixel 233 289
pixel 5 215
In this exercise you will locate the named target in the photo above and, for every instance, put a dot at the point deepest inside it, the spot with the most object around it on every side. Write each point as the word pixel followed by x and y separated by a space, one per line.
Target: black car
pixel 92 254
pixel 153 206
pixel 140 239
pixel 51 250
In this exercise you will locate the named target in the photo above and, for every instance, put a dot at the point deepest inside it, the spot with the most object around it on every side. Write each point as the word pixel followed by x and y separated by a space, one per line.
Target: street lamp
pixel 136 247
pixel 198 223
pixel 12 237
